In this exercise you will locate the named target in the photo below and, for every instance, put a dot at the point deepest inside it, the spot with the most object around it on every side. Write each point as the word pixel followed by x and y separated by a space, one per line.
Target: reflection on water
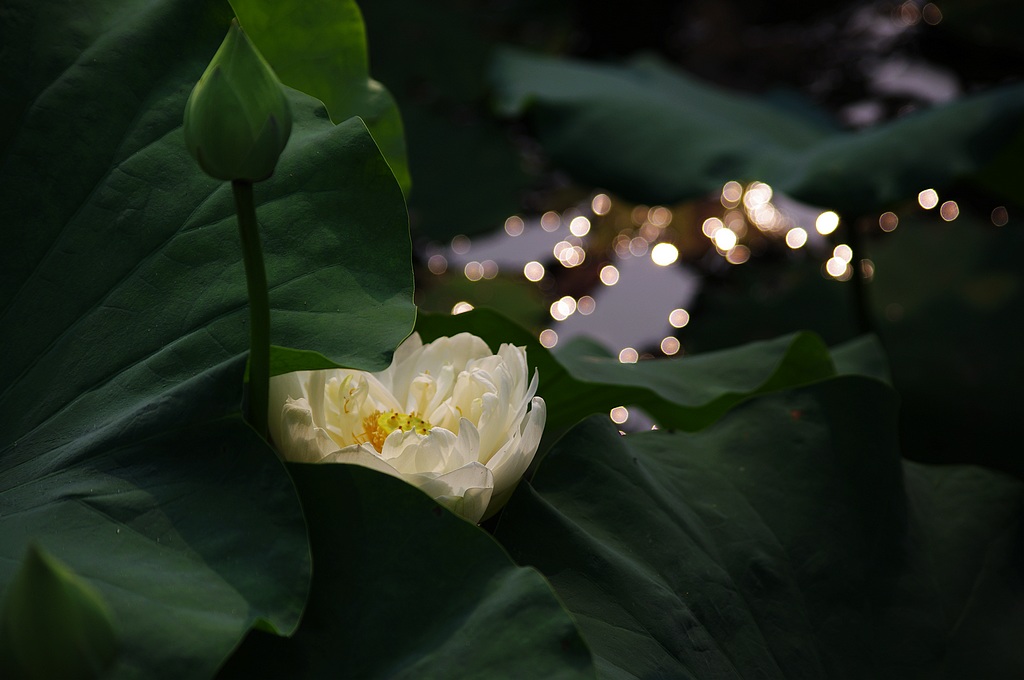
pixel 642 288
pixel 633 271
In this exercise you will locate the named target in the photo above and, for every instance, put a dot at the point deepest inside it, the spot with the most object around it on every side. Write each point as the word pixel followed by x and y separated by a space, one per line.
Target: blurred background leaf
pixel 654 135
pixel 466 167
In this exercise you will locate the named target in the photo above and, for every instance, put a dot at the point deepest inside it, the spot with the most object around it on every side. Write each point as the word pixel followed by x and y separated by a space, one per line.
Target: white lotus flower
pixel 449 417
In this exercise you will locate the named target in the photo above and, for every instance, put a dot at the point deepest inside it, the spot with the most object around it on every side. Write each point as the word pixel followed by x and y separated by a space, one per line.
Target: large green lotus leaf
pixel 122 260
pixel 786 541
pixel 320 48
pixel 405 589
pixel 122 450
pixel 686 393
pixel 176 512
pixel 654 134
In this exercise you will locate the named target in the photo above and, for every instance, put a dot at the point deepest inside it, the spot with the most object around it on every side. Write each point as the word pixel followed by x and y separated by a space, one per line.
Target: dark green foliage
pixel 785 541
pixel 405 589
pixel 52 624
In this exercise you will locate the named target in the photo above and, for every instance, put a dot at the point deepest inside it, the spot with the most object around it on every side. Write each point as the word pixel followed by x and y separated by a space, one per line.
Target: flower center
pixel 378 425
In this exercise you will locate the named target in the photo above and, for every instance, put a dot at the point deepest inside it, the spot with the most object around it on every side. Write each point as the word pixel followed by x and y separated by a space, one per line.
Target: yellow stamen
pixel 377 426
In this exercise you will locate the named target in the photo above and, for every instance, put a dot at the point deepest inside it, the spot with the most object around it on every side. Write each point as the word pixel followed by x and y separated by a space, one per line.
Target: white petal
pixel 411 452
pixel 283 388
pixel 364 456
pixel 466 491
pixel 297 438
pixel 509 464
pixel 467 446
pixel 315 389
pixel 412 345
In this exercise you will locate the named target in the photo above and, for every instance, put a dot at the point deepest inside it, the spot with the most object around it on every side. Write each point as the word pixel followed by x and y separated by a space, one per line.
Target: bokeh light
pixel 738 255
pixel 572 257
pixel 628 355
pixel 1000 216
pixel 548 338
pixel 601 204
pixel 796 237
pixel 609 275
pixel 732 192
pixel 563 308
pixel 735 220
pixel 670 345
pixel 836 267
pixel 725 239
pixel 907 14
pixel 659 216
pixel 664 254
pixel 550 221
pixel 949 211
pixel 826 223
pixel 619 415
pixel 678 318
pixel 579 226
pixel 639 214
pixel 711 226
pixel 757 194
pixel 586 305
pixel 649 232
pixel 533 270
pixel 437 264
pixel 473 270
pixel 928 199
pixel 461 307
pixel 514 226
pixel 888 221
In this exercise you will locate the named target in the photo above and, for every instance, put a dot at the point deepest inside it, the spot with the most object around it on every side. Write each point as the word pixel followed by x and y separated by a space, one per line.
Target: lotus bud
pixel 237 120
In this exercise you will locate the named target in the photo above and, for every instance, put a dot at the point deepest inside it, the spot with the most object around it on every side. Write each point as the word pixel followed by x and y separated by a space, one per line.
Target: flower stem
pixel 259 307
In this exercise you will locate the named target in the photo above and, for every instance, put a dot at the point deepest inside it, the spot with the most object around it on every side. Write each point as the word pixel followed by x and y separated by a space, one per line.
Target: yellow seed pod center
pixel 378 425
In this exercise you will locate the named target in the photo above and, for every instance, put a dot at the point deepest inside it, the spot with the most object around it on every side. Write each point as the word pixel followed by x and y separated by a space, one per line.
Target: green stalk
pixel 259 307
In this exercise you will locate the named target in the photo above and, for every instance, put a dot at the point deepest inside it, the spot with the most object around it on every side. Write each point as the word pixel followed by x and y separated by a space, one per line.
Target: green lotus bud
pixel 237 120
